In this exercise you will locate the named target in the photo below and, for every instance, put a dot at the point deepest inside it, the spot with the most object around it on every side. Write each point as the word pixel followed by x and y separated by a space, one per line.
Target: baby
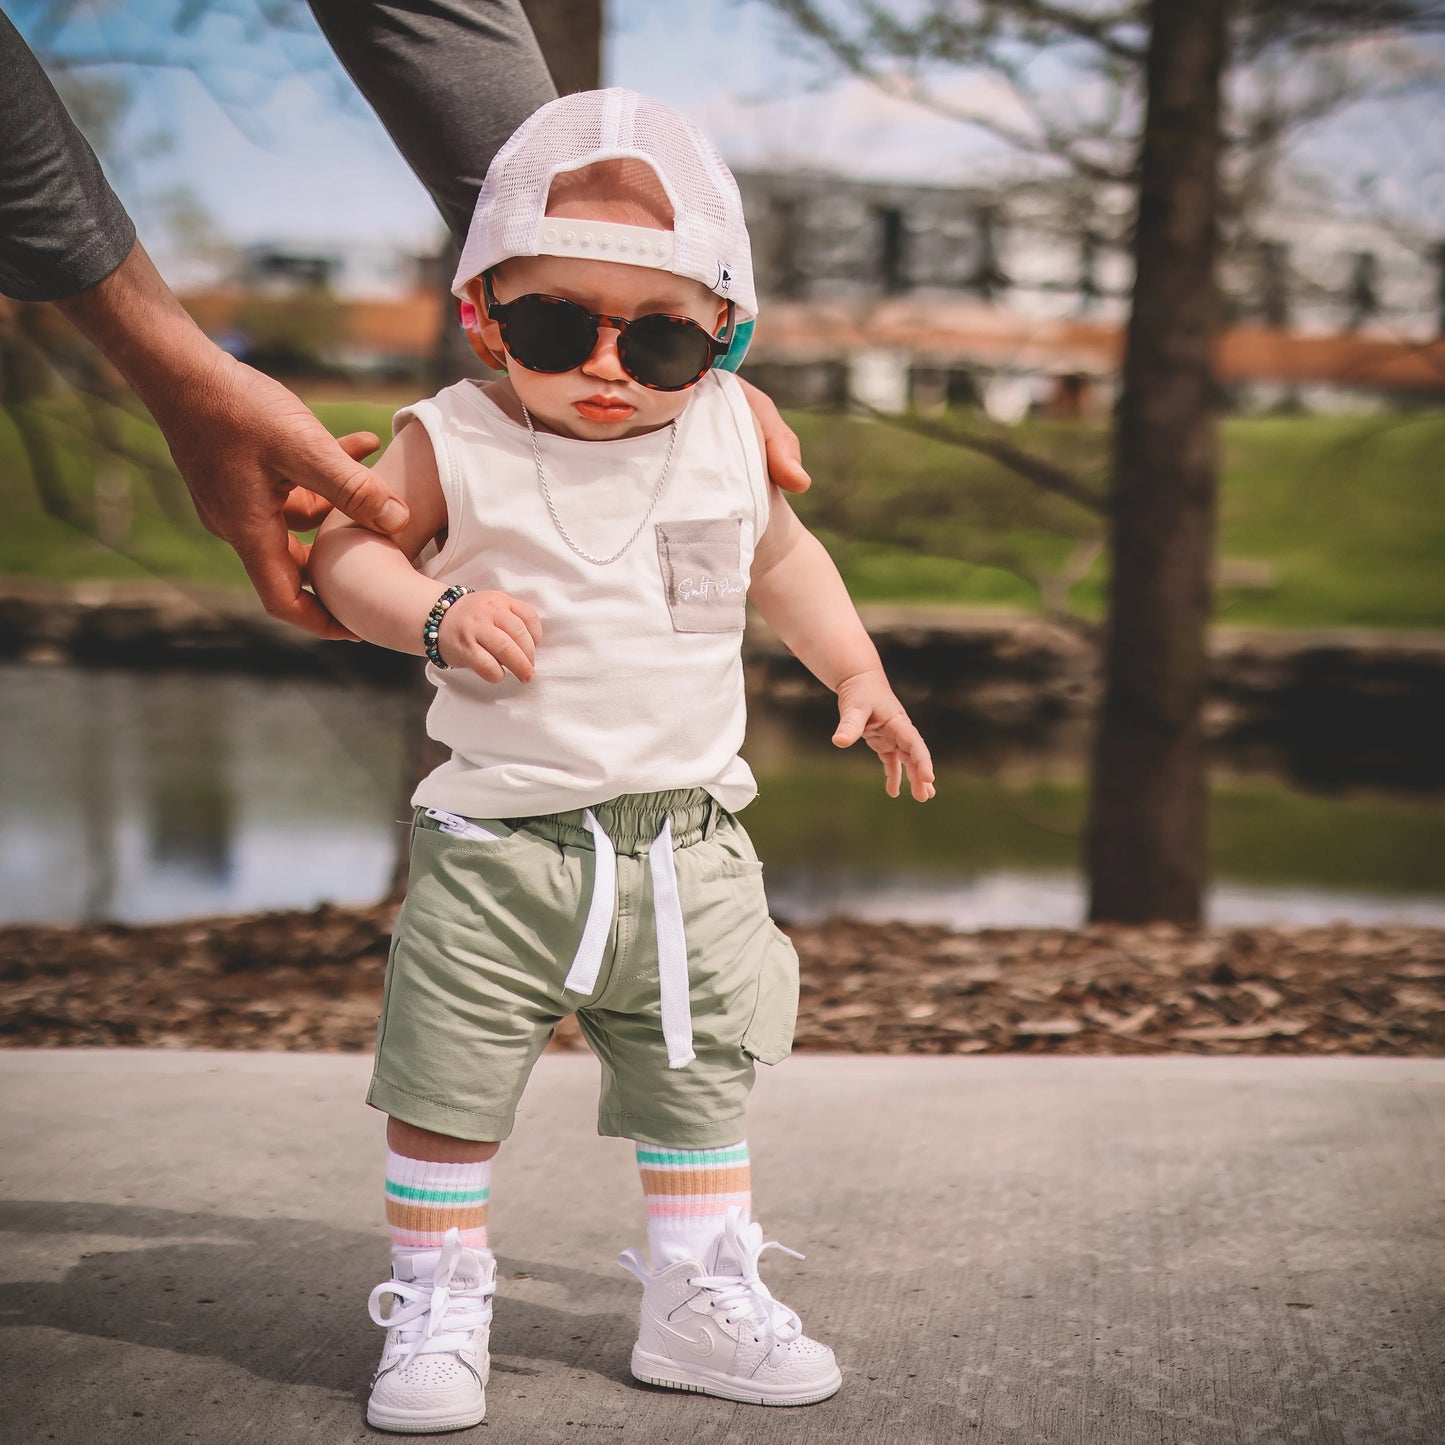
pixel 598 521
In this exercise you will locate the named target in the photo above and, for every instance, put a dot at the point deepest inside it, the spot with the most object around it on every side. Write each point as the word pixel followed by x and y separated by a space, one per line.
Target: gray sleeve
pixel 62 228
pixel 449 79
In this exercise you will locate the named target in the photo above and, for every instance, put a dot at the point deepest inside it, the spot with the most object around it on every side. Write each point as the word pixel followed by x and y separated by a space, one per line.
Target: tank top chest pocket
pixel 702 572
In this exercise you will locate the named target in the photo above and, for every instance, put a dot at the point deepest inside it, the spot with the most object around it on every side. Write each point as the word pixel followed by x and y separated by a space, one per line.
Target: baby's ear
pixel 484 336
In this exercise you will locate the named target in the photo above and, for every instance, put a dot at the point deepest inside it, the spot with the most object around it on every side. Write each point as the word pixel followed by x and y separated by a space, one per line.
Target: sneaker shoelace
pixel 432 1318
pixel 743 1296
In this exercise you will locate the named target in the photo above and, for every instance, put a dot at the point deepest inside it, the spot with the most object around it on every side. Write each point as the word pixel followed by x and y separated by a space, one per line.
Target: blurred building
pixel 898 296
pixel 929 296
pixel 350 312
pixel 352 271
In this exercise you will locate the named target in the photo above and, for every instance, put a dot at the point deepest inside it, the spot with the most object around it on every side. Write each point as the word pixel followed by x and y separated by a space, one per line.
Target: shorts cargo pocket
pixel 703 573
pixel 769 1037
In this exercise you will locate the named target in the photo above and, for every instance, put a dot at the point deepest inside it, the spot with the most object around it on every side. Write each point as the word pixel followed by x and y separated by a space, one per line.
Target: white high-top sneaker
pixel 434 1365
pixel 712 1327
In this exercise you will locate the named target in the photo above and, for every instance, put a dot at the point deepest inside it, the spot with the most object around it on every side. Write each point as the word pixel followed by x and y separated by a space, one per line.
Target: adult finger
pixel 305 509
pixel 276 575
pixel 301 555
pixel 780 442
pixel 350 487
pixel 359 445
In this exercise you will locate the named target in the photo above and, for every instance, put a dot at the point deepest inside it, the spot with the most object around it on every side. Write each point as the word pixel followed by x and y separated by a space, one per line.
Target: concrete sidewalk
pixel 1141 1251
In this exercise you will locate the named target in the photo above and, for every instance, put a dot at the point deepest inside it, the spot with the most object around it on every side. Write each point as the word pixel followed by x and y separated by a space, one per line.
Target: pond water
pixel 138 797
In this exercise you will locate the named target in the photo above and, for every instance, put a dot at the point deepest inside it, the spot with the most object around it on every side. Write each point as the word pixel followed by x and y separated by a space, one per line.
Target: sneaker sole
pixel 670 1375
pixel 423 1424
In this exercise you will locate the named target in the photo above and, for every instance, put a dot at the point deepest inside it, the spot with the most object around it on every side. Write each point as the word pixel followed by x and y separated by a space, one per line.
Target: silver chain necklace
pixel 552 508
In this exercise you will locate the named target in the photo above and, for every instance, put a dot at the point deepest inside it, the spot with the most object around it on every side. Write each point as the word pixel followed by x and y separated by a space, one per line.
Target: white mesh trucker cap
pixel 708 241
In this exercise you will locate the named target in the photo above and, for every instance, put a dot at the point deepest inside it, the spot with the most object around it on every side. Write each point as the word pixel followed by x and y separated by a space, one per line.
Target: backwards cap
pixel 708 240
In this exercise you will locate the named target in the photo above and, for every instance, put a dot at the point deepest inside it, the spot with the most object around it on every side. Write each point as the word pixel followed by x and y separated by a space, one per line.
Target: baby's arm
pixel 798 591
pixel 368 581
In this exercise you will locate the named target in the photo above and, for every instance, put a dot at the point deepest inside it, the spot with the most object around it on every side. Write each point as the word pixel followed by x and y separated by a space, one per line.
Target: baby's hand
pixel 492 634
pixel 868 709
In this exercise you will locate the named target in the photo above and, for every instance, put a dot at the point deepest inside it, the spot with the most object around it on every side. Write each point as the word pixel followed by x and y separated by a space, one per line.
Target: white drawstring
pixel 582 977
pixel 672 981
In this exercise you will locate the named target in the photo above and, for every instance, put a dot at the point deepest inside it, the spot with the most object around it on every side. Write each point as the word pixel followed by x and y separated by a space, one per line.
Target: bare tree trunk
pixel 1146 839
pixel 451 356
pixel 570 34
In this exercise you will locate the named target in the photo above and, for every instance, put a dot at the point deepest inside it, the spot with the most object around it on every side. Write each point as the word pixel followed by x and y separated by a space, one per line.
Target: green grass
pixel 1347 516
pixel 164 538
pixel 1349 512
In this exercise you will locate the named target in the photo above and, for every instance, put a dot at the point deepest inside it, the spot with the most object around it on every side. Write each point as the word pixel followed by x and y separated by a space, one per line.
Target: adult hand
pixel 868 708
pixel 780 442
pixel 257 463
pixel 250 452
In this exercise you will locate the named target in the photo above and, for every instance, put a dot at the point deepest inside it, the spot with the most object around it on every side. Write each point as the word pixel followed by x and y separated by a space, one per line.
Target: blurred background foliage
pixel 1325 521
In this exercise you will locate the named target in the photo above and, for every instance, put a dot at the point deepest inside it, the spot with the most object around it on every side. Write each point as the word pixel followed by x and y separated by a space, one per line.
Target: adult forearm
pixel 62 228
pixel 449 79
pixel 247 448
pixel 134 320
pixel 804 600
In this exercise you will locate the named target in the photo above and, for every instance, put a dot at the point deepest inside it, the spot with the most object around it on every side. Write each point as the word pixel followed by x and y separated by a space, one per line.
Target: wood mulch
pixel 312 981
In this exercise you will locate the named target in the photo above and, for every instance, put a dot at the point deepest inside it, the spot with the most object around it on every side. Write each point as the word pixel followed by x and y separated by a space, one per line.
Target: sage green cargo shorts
pixel 490 928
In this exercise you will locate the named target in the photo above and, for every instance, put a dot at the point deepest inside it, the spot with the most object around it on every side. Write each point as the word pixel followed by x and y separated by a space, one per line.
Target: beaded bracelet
pixel 434 619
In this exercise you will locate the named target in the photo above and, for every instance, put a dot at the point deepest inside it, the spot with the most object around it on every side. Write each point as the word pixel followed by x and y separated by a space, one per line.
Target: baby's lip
pixel 605 401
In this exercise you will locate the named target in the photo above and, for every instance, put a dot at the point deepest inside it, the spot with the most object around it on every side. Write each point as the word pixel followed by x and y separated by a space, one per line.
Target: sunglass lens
pixel 666 352
pixel 549 334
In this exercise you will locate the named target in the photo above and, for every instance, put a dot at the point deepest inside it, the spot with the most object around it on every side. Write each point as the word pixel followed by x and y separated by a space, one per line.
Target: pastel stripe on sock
pixel 691 1158
pixel 437 1196
pixel 711 1206
pixel 425 1198
pixel 688 1195
pixel 689 1181
pixel 413 1216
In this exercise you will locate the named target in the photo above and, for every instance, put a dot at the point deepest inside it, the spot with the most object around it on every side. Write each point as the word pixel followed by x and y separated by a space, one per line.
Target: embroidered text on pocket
pixel 703 573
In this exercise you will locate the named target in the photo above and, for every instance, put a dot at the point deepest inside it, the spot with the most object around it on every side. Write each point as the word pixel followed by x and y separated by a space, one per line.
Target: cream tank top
pixel 639 681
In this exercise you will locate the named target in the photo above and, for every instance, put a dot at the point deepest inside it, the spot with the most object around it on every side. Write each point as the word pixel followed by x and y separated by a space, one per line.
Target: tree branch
pixel 1043 474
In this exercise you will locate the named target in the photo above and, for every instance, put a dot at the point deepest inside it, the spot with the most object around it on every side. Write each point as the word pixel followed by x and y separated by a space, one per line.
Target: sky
pixel 299 156
pixel 293 155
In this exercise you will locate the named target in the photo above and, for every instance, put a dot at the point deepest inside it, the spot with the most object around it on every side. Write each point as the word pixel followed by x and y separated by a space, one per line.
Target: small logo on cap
pixel 724 282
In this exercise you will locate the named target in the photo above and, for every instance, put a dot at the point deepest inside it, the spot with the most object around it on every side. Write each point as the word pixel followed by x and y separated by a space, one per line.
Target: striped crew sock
pixel 689 1192
pixel 425 1199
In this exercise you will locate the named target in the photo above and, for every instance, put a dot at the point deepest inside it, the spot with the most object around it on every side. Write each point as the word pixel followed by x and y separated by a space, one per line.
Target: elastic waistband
pixel 632 821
